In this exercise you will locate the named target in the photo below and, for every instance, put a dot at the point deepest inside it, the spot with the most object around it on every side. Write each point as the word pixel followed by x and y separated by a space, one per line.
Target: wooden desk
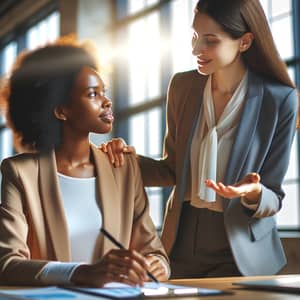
pixel 239 293
pixel 225 283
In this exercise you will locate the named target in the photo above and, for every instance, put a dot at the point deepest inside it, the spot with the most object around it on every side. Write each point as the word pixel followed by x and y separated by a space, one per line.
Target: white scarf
pixel 204 159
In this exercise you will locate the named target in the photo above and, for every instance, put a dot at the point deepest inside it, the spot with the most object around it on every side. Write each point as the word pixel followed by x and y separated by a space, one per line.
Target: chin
pixel 109 128
pixel 103 130
pixel 204 70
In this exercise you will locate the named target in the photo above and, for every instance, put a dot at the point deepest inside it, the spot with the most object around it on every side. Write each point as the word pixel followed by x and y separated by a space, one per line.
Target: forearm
pixel 155 172
pixel 25 269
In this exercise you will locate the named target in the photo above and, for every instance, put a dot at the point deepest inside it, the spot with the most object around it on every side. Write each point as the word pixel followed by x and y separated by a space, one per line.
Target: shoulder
pixel 130 164
pixel 187 75
pixel 281 95
pixel 276 97
pixel 20 160
pixel 20 165
pixel 185 79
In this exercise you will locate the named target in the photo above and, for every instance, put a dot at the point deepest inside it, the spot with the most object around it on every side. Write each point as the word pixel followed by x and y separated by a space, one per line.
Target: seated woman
pixel 56 198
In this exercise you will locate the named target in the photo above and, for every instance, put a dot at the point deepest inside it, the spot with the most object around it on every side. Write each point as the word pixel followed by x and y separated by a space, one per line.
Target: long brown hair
pixel 237 17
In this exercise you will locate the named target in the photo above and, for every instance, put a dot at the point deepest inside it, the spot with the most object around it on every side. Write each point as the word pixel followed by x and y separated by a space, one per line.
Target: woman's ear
pixel 59 113
pixel 246 41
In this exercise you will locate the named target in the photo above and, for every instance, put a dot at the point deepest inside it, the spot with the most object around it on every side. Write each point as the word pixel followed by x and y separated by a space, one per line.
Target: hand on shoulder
pixel 116 149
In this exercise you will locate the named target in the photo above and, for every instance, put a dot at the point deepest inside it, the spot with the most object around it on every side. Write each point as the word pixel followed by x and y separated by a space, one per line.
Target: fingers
pixel 115 150
pixel 249 186
pixel 249 178
pixel 219 187
pixel 103 147
pixel 129 264
pixel 156 268
pixel 126 266
pixel 255 178
pixel 129 149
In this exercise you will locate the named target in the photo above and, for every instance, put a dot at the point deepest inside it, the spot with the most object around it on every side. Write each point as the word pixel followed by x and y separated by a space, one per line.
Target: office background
pixel 141 44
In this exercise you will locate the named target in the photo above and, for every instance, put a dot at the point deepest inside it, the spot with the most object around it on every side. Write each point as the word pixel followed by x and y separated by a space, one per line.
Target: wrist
pixel 79 275
pixel 253 197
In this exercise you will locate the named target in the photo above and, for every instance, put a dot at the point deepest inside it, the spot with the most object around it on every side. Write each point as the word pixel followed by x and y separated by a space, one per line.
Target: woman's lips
pixel 203 62
pixel 107 117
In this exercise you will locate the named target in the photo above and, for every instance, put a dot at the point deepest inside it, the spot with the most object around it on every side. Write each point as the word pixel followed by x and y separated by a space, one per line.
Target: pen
pixel 118 244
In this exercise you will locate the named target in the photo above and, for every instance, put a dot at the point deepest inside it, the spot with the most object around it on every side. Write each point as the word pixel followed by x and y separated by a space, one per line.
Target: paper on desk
pixel 47 293
pixel 112 290
pixel 121 290
pixel 149 288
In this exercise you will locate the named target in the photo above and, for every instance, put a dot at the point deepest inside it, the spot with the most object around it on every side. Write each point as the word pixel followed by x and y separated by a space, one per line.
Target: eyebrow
pixel 210 34
pixel 96 87
pixel 207 34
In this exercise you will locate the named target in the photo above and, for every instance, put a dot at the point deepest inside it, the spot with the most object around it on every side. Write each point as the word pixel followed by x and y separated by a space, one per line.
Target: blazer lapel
pixel 191 108
pixel 108 197
pixel 245 132
pixel 53 208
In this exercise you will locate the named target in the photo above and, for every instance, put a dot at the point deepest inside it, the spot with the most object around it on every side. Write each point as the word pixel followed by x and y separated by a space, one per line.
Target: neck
pixel 226 81
pixel 73 151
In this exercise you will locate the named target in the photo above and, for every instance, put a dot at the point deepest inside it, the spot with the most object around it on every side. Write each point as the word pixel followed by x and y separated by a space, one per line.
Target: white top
pixel 83 215
pixel 212 143
pixel 84 220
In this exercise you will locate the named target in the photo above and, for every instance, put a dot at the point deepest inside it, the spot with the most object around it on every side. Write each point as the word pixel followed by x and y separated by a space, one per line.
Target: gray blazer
pixel 262 144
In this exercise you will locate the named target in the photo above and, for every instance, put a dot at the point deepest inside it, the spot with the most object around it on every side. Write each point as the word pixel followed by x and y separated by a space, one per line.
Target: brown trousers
pixel 201 248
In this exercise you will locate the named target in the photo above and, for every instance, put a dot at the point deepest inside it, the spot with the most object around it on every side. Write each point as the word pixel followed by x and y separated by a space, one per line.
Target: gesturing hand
pixel 115 149
pixel 126 266
pixel 248 187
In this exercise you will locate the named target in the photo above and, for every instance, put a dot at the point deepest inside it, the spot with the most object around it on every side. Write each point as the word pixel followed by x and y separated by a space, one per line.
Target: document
pixel 110 291
pixel 149 290
pixel 47 293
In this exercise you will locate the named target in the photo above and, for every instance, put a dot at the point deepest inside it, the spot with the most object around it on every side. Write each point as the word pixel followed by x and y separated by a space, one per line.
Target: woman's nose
pixel 197 47
pixel 106 103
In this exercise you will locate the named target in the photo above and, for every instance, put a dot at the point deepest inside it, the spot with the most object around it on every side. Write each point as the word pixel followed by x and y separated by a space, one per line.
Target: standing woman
pixel 55 199
pixel 230 127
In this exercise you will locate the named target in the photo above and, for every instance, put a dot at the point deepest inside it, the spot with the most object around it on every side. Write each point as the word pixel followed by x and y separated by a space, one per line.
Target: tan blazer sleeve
pixel 144 236
pixel 162 172
pixel 15 266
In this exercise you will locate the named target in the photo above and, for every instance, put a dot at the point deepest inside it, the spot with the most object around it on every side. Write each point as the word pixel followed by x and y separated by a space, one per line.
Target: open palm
pixel 248 187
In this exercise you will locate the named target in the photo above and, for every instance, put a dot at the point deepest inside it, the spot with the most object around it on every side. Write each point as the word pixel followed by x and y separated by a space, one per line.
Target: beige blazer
pixel 33 228
pixel 262 144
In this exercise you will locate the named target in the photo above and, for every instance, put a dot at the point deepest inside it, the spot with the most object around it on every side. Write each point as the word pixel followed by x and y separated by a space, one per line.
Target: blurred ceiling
pixel 6 5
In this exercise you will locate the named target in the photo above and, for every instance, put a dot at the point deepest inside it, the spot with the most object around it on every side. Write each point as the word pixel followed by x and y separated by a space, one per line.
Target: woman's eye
pixel 92 94
pixel 210 42
pixel 194 38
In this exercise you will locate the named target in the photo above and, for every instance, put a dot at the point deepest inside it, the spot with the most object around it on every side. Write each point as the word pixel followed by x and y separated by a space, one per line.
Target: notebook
pixel 289 283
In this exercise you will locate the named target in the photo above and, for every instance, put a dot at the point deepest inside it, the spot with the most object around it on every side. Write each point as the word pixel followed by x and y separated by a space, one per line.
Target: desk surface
pixel 240 293
pixel 225 283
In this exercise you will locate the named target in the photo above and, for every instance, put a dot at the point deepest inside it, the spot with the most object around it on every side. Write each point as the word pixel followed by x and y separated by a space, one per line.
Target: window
pixel 279 14
pixel 8 56
pixel 154 46
pixel 44 31
pixel 181 35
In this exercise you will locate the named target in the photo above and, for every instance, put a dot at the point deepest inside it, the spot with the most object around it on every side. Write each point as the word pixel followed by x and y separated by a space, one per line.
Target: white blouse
pixel 83 215
pixel 212 143
pixel 84 220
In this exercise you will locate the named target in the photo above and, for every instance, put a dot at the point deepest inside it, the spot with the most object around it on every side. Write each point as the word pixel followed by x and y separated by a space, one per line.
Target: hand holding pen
pixel 118 265
pixel 119 245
